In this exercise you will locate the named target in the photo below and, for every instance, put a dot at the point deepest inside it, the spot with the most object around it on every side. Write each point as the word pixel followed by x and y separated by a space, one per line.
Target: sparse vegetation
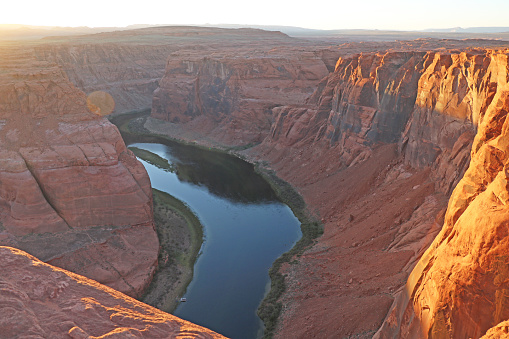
pixel 180 236
pixel 270 308
pixel 241 147
pixel 153 159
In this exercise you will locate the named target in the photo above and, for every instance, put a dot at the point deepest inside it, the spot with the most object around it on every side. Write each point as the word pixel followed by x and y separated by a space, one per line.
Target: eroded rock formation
pixel 458 288
pixel 41 301
pixel 129 64
pixel 383 205
pixel 376 150
pixel 70 191
pixel 231 96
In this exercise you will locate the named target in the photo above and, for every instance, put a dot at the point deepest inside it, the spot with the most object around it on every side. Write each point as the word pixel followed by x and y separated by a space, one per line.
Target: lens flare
pixel 100 103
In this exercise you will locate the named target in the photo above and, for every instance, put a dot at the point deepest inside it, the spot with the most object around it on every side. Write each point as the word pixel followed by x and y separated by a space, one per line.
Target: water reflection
pixel 246 230
pixel 222 174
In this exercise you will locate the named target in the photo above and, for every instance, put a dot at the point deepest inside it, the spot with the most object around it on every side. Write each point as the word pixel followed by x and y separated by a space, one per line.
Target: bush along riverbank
pixel 311 228
pixel 132 128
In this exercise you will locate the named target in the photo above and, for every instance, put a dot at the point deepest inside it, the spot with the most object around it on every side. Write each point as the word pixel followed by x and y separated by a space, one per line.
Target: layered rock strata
pixel 70 191
pixel 458 287
pixel 128 71
pixel 383 205
pixel 42 301
pixel 129 64
pixel 376 150
pixel 230 97
pixel 433 118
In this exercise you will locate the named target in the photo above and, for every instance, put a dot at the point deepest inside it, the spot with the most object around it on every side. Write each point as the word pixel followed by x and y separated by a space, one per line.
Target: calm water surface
pixel 246 229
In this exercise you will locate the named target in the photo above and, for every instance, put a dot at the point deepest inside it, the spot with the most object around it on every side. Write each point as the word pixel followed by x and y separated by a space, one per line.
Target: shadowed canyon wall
pixel 129 64
pixel 232 94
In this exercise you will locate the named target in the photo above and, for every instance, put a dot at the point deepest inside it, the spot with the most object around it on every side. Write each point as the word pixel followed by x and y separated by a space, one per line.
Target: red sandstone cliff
pixel 129 64
pixel 456 290
pixel 458 287
pixel 42 301
pixel 70 191
pixel 382 205
pixel 231 96
pixel 128 71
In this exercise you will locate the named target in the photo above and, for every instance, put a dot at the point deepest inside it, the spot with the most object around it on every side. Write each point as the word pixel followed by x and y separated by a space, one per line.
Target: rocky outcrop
pixel 385 98
pixel 42 301
pixel 70 191
pixel 452 94
pixel 458 287
pixel 376 151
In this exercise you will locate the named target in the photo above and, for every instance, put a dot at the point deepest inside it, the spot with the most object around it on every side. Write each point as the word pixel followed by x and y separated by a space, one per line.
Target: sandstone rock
pixel 42 301
pixel 429 103
pixel 500 331
pixel 236 93
pixel 65 173
pixel 129 64
pixel 457 288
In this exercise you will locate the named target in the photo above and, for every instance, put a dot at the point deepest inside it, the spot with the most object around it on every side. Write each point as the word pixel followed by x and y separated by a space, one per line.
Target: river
pixel 246 229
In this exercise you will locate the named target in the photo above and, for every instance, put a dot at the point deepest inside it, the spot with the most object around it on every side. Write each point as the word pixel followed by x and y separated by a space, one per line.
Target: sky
pixel 319 14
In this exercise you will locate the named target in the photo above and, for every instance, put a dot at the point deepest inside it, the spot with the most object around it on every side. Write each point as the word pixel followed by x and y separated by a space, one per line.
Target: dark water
pixel 246 229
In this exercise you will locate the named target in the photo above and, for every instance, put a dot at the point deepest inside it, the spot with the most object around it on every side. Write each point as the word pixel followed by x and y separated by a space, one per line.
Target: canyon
pixel 398 147
pixel 377 151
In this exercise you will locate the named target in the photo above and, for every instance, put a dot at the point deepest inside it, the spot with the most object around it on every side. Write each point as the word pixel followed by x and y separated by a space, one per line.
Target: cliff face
pixel 129 72
pixel 433 118
pixel 420 100
pixel 70 191
pixel 129 64
pixel 42 301
pixel 377 150
pixel 231 96
pixel 458 287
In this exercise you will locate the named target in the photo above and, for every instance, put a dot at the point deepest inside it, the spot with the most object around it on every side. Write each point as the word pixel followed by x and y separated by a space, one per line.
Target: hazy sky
pixel 322 14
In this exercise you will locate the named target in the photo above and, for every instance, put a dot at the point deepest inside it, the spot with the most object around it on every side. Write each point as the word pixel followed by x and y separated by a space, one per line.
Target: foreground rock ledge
pixel 42 301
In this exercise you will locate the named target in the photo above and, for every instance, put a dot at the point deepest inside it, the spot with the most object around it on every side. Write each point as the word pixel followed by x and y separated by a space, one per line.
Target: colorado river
pixel 246 229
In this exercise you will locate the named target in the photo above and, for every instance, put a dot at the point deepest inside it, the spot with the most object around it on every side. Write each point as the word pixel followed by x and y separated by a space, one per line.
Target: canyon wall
pixel 418 100
pixel 129 72
pixel 458 288
pixel 377 147
pixel 377 151
pixel 430 104
pixel 70 191
pixel 42 301
pixel 230 97
pixel 129 64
